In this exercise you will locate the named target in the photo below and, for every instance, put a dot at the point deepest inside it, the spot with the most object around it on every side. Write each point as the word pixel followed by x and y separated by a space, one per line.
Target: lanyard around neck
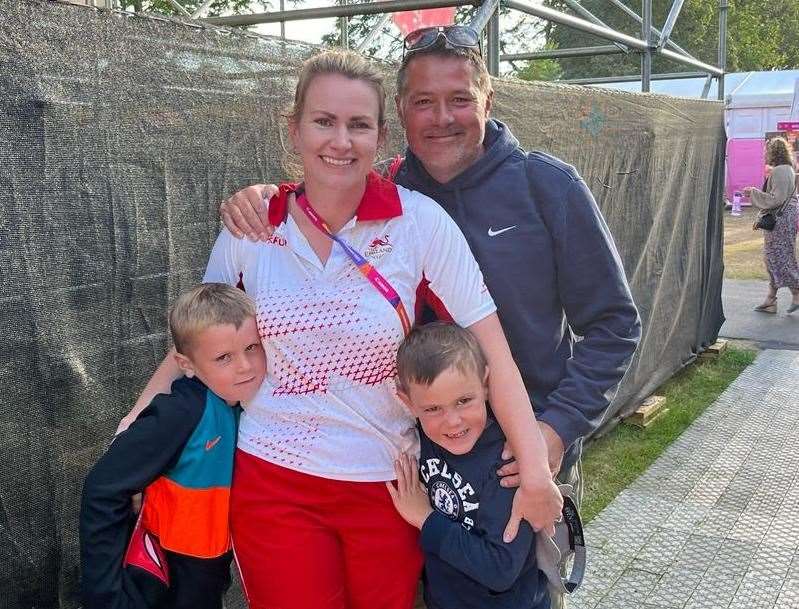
pixel 366 269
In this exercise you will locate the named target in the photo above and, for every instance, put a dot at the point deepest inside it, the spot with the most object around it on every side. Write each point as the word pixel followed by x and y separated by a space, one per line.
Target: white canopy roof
pixel 764 90
pixel 744 89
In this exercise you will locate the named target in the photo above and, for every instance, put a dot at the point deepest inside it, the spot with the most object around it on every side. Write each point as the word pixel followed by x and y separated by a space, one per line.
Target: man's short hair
pixel 431 349
pixel 481 78
pixel 208 304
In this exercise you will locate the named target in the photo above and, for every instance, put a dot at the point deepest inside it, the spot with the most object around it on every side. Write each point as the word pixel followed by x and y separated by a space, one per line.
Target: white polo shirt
pixel 328 406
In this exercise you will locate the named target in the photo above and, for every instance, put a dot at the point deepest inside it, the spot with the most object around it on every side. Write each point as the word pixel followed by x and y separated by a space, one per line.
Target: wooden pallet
pixel 714 350
pixel 650 410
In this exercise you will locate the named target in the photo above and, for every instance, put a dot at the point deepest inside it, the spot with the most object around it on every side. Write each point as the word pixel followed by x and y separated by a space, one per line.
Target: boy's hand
pixel 410 496
pixel 539 503
pixel 245 212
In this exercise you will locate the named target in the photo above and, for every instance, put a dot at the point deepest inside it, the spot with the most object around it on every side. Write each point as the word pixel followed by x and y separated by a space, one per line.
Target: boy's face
pixel 452 409
pixel 231 362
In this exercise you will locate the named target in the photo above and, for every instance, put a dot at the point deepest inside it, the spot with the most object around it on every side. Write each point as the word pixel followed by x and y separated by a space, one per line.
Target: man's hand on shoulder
pixel 509 473
pixel 555 448
pixel 245 213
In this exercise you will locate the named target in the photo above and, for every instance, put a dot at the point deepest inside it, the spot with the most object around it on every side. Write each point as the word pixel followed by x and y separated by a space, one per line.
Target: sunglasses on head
pixel 461 36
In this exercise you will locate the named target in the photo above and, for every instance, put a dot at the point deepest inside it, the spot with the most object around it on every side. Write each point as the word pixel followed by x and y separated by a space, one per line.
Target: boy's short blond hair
pixel 431 349
pixel 208 304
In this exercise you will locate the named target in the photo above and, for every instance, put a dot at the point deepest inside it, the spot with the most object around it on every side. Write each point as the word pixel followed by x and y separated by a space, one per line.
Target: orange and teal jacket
pixel 180 453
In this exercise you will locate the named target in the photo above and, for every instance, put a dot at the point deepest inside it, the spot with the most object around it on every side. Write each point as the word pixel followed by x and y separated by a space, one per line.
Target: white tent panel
pixel 759 102
pixel 680 87
pixel 764 90
pixel 744 89
pixel 754 123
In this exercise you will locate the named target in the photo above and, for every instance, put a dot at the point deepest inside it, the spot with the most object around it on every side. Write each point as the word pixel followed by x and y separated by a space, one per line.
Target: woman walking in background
pixel 779 245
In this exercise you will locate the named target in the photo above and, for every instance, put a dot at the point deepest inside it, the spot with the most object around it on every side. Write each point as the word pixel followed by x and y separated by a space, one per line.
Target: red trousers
pixel 305 542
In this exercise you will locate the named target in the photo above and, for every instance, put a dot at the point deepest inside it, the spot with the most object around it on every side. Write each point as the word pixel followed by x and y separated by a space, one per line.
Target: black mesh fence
pixel 119 135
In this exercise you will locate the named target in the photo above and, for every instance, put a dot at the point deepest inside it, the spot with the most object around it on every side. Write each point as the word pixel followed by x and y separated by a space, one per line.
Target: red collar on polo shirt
pixel 380 201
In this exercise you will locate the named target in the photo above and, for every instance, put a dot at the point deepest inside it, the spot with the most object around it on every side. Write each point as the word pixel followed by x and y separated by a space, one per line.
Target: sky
pixel 310 30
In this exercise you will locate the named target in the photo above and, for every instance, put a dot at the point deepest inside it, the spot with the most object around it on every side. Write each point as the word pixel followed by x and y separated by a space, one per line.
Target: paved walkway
pixel 714 522
pixel 778 331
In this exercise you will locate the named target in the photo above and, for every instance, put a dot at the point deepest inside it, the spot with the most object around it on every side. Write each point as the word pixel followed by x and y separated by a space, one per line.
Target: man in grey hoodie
pixel 546 253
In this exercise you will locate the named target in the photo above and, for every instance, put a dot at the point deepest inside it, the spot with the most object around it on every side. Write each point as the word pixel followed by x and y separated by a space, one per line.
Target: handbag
pixel 769 220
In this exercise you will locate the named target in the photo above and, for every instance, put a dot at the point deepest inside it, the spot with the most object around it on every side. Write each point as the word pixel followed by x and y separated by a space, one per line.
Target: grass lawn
pixel 743 247
pixel 613 461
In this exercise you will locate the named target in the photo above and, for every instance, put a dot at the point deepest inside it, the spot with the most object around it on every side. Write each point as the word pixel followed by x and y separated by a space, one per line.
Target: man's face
pixel 444 114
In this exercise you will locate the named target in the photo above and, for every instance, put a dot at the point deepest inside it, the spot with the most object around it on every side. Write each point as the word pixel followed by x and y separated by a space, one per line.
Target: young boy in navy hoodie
pixel 459 505
pixel 180 453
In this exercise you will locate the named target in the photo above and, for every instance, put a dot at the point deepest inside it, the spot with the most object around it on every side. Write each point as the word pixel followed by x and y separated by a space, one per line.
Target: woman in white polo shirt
pixel 335 288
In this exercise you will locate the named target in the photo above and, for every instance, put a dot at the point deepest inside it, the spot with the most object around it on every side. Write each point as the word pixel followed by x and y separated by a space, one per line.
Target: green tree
pixel 762 35
pixel 540 69
pixel 218 7
pixel 386 43
pixel 517 28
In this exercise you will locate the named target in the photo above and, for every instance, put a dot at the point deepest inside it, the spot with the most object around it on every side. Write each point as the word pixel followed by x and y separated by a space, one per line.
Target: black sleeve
pixel 135 458
pixel 483 556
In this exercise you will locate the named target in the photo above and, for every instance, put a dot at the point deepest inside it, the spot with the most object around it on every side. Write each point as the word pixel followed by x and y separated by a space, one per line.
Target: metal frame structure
pixel 486 20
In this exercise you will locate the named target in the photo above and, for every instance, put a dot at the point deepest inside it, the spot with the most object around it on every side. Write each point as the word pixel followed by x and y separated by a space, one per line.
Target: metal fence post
pixel 671 20
pixel 344 28
pixel 581 10
pixel 655 31
pixel 722 45
pixel 492 42
pixel 646 55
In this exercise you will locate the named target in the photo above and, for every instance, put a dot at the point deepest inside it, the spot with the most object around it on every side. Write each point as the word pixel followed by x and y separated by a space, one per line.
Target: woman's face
pixel 338 133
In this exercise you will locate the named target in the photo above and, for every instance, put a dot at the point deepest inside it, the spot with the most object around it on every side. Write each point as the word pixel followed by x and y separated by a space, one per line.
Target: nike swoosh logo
pixel 494 233
pixel 209 444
